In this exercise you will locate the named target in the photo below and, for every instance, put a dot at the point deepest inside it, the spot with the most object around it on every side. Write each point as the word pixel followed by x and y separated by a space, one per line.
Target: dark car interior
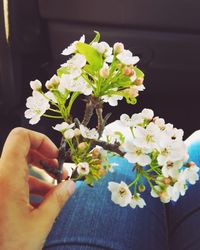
pixel 164 34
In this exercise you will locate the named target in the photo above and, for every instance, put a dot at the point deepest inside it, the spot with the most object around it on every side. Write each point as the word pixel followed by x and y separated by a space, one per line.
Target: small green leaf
pixel 62 70
pixel 97 37
pixel 139 73
pixel 92 56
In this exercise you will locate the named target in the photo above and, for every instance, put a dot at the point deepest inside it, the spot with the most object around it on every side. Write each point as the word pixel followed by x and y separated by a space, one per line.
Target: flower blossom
pixel 75 85
pixel 104 49
pixel 72 48
pixel 132 121
pixel 126 57
pixel 112 99
pixel 66 129
pixel 36 85
pixel 136 154
pixel 89 133
pixel 37 105
pixel 83 168
pixel 137 201
pixel 147 137
pixel 74 65
pixel 192 175
pixel 121 195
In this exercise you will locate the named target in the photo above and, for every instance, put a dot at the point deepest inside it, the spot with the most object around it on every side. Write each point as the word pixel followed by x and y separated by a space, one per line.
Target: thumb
pixel 53 203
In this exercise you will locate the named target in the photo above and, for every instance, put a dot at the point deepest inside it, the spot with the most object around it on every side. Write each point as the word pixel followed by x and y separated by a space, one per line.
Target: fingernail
pixel 69 186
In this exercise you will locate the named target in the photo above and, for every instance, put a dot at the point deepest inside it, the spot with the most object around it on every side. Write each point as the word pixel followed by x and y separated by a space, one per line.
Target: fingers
pixel 18 144
pixel 36 159
pixel 49 209
pixel 21 140
pixel 39 187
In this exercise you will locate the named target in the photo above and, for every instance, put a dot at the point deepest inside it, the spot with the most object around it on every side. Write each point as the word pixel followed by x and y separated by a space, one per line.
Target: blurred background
pixel 164 34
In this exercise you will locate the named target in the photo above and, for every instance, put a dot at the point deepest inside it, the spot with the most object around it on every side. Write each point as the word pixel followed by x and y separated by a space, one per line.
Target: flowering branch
pixel 155 149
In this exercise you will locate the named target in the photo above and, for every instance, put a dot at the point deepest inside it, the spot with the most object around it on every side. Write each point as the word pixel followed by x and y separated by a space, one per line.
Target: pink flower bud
pixel 104 72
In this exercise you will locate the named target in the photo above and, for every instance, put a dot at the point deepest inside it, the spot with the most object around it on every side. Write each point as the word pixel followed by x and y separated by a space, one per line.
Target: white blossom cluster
pixel 107 74
pixel 158 151
pixel 93 69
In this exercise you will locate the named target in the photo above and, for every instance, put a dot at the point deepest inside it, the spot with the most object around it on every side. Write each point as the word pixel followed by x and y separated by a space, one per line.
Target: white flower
pixel 136 154
pixel 72 48
pixel 83 168
pixel 105 49
pixel 75 85
pixel 171 169
pixel 147 138
pixel 74 65
pixel 112 100
pixel 164 195
pixel 192 175
pixel 135 120
pixel 121 195
pixel 37 105
pixel 170 150
pixel 126 57
pixel 160 122
pixel 179 187
pixel 137 201
pixel 147 114
pixel 89 133
pixel 70 167
pixel 36 85
pixel 63 126
pixel 66 129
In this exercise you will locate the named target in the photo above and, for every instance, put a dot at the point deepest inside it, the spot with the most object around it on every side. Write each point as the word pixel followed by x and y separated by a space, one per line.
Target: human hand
pixel 23 226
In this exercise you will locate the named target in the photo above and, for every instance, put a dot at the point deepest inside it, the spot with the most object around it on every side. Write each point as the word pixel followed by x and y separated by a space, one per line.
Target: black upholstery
pixel 165 34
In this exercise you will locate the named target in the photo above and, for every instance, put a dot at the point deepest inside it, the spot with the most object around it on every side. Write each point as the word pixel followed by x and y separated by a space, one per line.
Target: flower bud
pixel 166 181
pixel 96 152
pixel 53 82
pixel 82 145
pixel 139 81
pixel 132 91
pixel 102 172
pixel 36 85
pixel 141 188
pixel 104 72
pixel 77 132
pixel 118 48
pixel 128 71
pixel 190 164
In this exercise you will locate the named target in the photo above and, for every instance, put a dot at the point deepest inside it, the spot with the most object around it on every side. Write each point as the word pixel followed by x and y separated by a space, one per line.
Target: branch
pixel 89 109
pixel 108 146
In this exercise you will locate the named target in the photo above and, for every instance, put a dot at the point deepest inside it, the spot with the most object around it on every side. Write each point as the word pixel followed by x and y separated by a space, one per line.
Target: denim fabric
pixel 90 220
pixel 184 215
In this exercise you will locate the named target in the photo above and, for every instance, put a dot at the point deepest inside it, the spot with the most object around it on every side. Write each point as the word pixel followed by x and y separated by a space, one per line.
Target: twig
pixel 89 109
pixel 108 146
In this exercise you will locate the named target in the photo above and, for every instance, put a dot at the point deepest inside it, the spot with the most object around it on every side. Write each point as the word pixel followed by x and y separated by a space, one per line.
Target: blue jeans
pixel 90 220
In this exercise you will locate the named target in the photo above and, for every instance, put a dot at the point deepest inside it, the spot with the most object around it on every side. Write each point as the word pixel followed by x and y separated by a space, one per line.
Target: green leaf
pixel 97 37
pixel 92 56
pixel 139 73
pixel 62 70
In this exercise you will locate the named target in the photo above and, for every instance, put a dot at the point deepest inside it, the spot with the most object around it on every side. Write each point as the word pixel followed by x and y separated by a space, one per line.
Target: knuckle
pixel 18 131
